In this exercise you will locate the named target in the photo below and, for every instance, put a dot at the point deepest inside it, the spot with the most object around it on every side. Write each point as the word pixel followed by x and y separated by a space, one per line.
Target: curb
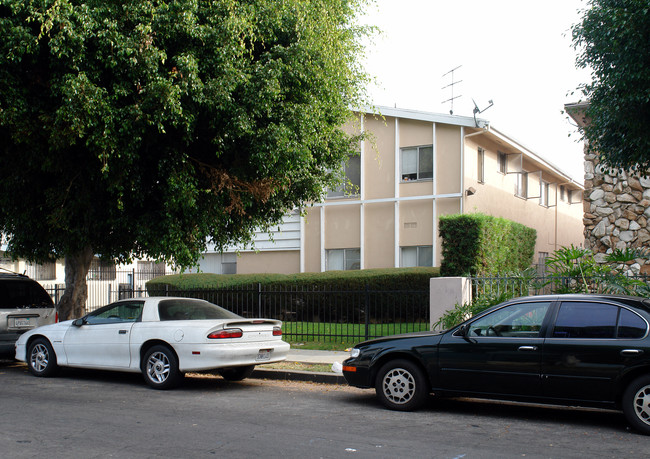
pixel 297 375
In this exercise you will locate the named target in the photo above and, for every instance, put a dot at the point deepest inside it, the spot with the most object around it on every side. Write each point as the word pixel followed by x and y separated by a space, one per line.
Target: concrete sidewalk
pixel 308 357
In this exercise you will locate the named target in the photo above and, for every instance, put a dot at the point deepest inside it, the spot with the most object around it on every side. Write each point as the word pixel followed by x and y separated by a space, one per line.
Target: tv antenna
pixel 451 85
pixel 479 111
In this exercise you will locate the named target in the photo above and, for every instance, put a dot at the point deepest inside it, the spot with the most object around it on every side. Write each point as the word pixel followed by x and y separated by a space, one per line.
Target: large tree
pixel 151 128
pixel 613 40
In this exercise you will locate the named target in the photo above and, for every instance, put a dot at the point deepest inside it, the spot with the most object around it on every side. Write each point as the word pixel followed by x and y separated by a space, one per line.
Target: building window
pixel 522 185
pixel 343 259
pixel 480 159
pixel 228 263
pixel 562 190
pixel 417 163
pixel 543 194
pixel 148 270
pixel 102 270
pixel 42 271
pixel 569 196
pixel 503 162
pixel 417 256
pixel 352 184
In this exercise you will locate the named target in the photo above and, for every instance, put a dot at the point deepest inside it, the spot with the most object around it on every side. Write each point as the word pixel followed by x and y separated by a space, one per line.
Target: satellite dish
pixel 479 111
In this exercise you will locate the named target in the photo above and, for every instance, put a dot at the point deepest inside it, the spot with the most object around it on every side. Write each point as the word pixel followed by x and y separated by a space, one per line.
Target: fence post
pixel 445 293
pixel 259 299
pixel 367 309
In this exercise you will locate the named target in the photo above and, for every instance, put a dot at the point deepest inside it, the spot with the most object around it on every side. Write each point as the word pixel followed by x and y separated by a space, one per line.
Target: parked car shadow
pixel 482 411
pixel 191 382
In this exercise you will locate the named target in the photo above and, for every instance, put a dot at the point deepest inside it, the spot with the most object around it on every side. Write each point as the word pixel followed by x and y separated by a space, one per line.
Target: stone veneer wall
pixel 616 212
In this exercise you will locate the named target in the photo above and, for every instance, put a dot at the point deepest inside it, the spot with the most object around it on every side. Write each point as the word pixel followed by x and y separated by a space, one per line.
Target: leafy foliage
pixel 613 40
pixel 574 270
pixel 479 244
pixel 142 128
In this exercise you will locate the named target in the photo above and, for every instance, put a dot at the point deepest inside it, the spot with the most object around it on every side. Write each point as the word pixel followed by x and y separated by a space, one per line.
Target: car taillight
pixel 56 317
pixel 226 333
pixel 277 331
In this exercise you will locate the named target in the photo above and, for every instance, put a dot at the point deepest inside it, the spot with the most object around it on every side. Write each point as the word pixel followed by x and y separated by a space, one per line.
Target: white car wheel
pixel 41 359
pixel 160 368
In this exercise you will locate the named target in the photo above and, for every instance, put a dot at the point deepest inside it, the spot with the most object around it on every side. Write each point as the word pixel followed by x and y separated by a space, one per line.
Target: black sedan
pixel 583 350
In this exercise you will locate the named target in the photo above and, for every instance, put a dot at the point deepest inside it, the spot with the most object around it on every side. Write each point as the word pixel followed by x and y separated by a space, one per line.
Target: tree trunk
pixel 73 301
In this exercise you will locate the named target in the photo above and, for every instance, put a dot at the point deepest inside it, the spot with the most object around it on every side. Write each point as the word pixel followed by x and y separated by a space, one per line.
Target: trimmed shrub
pixel 478 244
pixel 375 279
pixel 394 295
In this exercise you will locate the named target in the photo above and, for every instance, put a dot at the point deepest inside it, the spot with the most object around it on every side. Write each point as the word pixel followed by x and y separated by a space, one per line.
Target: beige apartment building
pixel 413 168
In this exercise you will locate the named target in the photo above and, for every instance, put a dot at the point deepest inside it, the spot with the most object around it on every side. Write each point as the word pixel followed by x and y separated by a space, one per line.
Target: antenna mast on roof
pixel 451 85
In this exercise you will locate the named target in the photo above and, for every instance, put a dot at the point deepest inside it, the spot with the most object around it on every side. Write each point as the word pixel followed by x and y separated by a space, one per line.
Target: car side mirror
pixel 78 322
pixel 463 331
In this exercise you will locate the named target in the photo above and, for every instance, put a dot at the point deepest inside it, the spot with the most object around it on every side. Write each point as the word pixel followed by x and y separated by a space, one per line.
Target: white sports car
pixel 162 337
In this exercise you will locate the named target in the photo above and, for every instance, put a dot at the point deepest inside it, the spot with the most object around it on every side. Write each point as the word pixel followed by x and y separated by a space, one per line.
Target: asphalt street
pixel 99 414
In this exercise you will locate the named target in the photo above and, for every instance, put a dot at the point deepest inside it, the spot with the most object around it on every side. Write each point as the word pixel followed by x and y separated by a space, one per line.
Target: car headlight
pixel 355 352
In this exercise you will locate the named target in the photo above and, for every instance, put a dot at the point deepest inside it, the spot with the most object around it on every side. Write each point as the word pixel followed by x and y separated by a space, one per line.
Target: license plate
pixel 22 322
pixel 263 354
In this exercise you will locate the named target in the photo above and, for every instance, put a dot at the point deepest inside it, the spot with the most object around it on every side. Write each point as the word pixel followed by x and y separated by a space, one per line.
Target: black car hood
pixel 401 336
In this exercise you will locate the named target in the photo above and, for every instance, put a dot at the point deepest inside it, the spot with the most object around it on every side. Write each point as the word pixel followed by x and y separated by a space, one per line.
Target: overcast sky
pixel 516 53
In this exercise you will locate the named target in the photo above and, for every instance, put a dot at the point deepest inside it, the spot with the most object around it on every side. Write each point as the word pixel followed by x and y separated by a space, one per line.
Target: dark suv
pixel 24 304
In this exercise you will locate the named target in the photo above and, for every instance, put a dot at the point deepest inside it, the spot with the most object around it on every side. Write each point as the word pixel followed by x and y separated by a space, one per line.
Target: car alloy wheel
pixel 636 404
pixel 41 358
pixel 160 368
pixel 401 385
pixel 642 404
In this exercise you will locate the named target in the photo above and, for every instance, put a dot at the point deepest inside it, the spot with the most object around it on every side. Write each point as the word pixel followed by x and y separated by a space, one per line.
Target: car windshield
pixel 188 309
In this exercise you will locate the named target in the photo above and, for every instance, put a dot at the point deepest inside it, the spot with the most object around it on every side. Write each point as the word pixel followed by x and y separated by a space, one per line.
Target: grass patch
pixel 339 337
pixel 321 367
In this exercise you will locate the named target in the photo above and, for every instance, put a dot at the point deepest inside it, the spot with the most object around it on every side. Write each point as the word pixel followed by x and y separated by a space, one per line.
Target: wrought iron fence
pixel 324 313
pixel 513 286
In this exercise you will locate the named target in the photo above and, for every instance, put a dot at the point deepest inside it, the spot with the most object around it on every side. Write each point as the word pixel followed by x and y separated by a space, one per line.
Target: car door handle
pixel 527 348
pixel 631 352
pixel 122 332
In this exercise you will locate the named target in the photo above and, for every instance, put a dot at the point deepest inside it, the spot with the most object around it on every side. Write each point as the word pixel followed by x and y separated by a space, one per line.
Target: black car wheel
pixel 636 404
pixel 236 373
pixel 401 385
pixel 160 368
pixel 41 359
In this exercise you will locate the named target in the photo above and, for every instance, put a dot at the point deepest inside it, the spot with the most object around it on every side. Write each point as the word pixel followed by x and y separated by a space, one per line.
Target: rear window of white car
pixel 181 309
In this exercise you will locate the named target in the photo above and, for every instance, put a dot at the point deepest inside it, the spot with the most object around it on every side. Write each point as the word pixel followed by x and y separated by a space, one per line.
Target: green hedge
pixel 396 295
pixel 478 244
pixel 376 279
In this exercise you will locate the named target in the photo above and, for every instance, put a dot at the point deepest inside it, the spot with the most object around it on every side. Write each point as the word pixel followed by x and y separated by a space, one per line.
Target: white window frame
pixel 351 187
pixel 480 167
pixel 418 250
pixel 418 173
pixel 521 187
pixel 544 191
pixel 502 163
pixel 350 255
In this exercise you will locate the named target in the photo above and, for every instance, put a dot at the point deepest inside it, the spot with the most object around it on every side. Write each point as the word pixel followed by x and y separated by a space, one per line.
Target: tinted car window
pixel 631 325
pixel 586 320
pixel 192 310
pixel 22 293
pixel 516 320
